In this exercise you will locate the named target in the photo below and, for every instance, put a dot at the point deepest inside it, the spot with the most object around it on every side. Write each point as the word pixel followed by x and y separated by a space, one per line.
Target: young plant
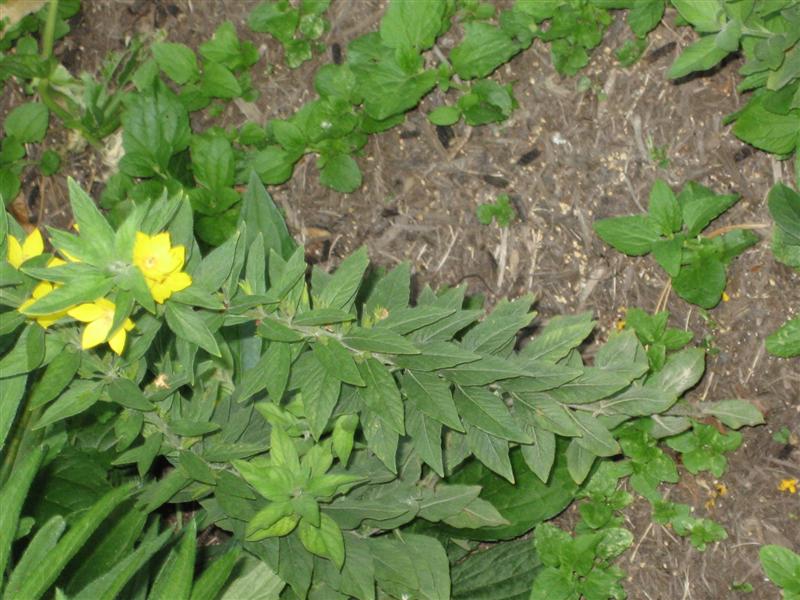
pixel 297 29
pixel 672 232
pixel 500 211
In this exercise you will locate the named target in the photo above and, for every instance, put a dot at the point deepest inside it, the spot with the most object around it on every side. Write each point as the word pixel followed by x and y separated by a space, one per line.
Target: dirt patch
pixel 566 158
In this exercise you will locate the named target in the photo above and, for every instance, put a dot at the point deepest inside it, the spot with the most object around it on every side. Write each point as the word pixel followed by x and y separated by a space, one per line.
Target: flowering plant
pixel 296 418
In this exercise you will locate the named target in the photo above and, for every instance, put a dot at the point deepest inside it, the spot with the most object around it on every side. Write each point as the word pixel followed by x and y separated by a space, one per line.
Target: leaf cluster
pixel 305 415
pixel 767 35
pixel 297 29
pixel 672 233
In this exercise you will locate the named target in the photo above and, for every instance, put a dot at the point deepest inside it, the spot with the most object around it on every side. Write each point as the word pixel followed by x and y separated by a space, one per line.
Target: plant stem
pixel 49 30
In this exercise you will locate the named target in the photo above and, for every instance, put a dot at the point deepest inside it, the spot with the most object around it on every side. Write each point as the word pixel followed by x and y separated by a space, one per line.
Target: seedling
pixel 671 231
pixel 500 211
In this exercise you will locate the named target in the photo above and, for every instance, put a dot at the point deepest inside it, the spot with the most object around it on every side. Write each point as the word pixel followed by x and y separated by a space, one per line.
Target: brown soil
pixel 566 158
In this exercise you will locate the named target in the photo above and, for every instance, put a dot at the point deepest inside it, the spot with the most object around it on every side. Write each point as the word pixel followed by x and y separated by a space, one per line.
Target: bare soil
pixel 566 158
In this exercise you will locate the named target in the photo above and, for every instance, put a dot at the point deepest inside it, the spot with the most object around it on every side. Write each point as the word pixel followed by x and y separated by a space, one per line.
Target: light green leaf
pixel 633 235
pixel 411 23
pixel 483 49
pixel 27 123
pixel 700 56
pixel 176 60
pixel 325 541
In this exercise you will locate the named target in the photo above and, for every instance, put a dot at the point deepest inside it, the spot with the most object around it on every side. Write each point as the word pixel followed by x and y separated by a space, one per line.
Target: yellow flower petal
pixel 95 333
pixel 178 281
pixel 117 341
pixel 33 244
pixel 159 291
pixel 87 312
pixel 48 320
pixel 55 262
pixel 177 256
pixel 14 252
pixel 42 289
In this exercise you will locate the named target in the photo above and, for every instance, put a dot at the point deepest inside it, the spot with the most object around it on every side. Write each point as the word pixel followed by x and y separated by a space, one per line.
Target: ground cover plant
pixel 189 409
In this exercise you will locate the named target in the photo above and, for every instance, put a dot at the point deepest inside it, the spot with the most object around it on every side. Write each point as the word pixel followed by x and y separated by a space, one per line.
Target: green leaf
pixel 491 451
pixel 219 82
pixel 388 88
pixel 382 440
pixel 262 216
pixel 579 461
pixel 483 49
pixel 668 254
pixel 415 566
pixel 782 566
pixel 36 553
pixel 786 340
pixel 325 541
pixel 704 15
pixel 320 390
pixel 339 172
pixel 643 16
pixel 12 391
pixel 700 56
pixel 341 289
pixel 78 398
pixel 338 361
pixel 188 325
pixel 633 235
pixel 378 340
pixel 72 541
pixel 664 209
pixel 381 395
pixel 733 413
pixel 343 433
pixel 435 355
pixel 109 585
pixel 523 504
pixel 701 282
pixel 559 337
pixel 254 580
pixel 784 206
pixel 700 206
pixel 12 498
pixel 108 547
pixel 431 395
pixel 487 411
pixel 213 162
pixel 277 18
pixel 445 115
pixel 155 125
pixel 426 437
pixel 27 123
pixel 767 130
pixel 411 23
pixel 174 580
pixel 176 60
pixel 682 371
pixel 126 393
pixel 501 572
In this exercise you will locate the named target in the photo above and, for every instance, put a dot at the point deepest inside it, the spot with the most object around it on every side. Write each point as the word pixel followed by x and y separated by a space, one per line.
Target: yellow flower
pixel 40 291
pixel 725 297
pixel 19 253
pixel 788 485
pixel 161 264
pixel 100 317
